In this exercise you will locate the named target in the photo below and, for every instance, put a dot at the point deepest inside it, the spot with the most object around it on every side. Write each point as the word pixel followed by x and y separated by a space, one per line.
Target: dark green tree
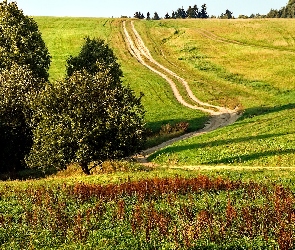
pixel 148 16
pixel 287 11
pixel 191 12
pixel 167 16
pixel 173 15
pixel 228 15
pixel 273 14
pixel 17 88
pixel 203 12
pixel 88 117
pixel 180 13
pixel 156 16
pixel 139 15
pixel 21 41
pixel 24 63
pixel 94 51
pixel 196 11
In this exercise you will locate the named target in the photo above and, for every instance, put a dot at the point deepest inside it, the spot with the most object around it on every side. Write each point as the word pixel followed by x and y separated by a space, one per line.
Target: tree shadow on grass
pixel 28 174
pixel 248 113
pixel 195 123
pixel 257 111
pixel 175 149
pixel 252 156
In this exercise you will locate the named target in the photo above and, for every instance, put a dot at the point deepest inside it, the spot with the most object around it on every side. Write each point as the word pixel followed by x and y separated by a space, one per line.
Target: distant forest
pixel 286 12
pixel 195 12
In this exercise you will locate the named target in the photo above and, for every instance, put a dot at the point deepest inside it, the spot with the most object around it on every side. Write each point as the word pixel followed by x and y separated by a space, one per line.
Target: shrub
pixel 21 41
pixel 170 129
pixel 86 118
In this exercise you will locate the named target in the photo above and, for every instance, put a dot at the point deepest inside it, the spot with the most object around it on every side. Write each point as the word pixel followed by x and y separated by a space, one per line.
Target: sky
pixel 118 8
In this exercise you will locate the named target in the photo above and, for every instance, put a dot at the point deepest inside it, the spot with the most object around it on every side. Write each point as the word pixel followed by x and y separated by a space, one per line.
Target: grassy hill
pixel 64 37
pixel 245 63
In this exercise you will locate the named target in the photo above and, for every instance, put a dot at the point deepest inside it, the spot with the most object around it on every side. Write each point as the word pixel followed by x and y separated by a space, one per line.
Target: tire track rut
pixel 220 116
pixel 216 38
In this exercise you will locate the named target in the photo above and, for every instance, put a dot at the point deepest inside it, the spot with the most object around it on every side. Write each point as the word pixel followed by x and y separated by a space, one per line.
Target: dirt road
pixel 220 116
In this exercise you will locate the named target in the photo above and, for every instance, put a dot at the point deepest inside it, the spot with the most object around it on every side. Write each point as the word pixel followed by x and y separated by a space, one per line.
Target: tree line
pixel 191 12
pixel 287 11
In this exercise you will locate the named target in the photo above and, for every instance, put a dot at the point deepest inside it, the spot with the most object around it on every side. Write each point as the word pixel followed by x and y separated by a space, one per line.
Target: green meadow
pixel 247 64
pixel 232 188
pixel 240 63
pixel 64 37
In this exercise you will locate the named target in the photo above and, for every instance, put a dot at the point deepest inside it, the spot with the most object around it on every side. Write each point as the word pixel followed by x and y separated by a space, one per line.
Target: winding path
pixel 220 116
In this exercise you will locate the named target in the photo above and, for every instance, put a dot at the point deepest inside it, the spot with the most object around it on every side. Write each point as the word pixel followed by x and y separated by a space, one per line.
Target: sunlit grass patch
pixel 265 140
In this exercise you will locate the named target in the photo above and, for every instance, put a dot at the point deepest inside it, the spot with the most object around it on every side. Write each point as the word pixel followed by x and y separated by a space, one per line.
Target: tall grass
pixel 147 212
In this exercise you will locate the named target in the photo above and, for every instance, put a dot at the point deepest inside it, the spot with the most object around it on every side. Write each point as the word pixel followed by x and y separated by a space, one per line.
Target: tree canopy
pixel 17 88
pixel 191 12
pixel 24 64
pixel 21 41
pixel 94 51
pixel 89 116
pixel 227 15
pixel 285 12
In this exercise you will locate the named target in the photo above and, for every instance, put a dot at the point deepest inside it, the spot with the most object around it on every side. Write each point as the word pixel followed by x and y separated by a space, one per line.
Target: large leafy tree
pixel 24 63
pixel 17 88
pixel 88 117
pixel 21 41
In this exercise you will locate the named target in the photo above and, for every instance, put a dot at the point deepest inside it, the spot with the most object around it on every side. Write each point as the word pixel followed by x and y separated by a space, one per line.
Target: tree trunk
pixel 84 166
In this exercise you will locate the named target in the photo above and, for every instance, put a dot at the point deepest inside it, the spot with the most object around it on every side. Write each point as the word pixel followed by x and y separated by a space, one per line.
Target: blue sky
pixel 116 8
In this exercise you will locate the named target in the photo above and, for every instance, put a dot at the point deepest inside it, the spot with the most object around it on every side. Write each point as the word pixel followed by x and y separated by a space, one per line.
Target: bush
pixel 17 87
pixel 21 41
pixel 86 118
pixel 170 129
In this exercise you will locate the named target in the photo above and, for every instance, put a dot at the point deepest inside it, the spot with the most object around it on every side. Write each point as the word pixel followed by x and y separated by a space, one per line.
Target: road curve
pixel 220 116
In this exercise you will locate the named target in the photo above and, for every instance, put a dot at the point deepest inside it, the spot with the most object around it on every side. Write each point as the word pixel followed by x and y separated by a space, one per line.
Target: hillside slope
pixel 246 63
pixel 64 37
pixel 229 63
